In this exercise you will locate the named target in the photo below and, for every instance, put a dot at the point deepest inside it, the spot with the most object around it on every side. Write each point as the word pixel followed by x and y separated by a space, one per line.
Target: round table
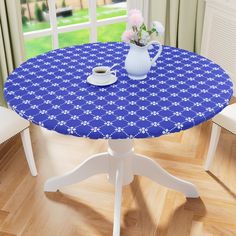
pixel 182 90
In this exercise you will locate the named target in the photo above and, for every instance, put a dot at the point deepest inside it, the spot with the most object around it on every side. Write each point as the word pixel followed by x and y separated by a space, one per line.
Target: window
pixel 50 24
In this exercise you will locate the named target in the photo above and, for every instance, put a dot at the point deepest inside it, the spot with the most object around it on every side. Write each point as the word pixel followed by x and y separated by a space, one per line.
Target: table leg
pixel 145 166
pixel 118 199
pixel 121 164
pixel 96 164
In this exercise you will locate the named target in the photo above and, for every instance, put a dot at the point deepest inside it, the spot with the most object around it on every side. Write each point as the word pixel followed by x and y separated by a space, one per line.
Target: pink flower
pixel 134 11
pixel 135 19
pixel 127 35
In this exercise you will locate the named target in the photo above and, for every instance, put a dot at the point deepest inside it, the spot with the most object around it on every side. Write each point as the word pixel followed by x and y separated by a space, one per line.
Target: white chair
pixel 219 45
pixel 12 124
pixel 225 119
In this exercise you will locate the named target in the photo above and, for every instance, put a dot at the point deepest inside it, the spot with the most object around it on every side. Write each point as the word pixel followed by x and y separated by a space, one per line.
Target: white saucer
pixel 111 80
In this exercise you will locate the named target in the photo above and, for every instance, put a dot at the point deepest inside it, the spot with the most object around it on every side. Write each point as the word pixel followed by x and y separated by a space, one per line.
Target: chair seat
pixel 11 124
pixel 227 118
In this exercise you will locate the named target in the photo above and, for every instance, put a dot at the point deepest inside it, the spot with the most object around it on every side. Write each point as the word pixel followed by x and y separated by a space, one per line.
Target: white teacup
pixel 102 74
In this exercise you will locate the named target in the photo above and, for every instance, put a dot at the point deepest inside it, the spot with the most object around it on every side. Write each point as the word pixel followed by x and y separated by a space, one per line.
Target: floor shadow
pixel 222 184
pixel 132 217
pixel 195 205
pixel 91 216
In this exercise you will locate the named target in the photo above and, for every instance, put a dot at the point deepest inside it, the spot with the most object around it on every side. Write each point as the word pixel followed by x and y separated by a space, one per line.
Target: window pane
pixel 111 33
pixel 34 47
pixel 34 15
pixel 111 8
pixel 73 38
pixel 72 12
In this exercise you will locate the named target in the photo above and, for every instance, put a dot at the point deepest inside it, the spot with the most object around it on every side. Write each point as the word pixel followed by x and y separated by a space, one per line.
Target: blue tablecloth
pixel 181 91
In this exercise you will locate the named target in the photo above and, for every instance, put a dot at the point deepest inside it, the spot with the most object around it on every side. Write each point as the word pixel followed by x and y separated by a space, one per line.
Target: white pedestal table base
pixel 121 164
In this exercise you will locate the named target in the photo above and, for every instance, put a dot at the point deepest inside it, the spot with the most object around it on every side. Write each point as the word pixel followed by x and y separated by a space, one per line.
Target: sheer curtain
pixel 11 40
pixel 183 20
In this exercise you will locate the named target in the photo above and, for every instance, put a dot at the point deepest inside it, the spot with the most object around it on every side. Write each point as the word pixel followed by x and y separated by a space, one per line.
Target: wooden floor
pixel 86 209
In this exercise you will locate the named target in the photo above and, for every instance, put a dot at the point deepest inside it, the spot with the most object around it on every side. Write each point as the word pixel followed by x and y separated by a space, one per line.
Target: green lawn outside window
pixel 107 33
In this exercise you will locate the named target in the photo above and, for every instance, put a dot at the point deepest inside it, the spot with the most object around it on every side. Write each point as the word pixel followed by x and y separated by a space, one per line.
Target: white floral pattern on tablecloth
pixel 181 91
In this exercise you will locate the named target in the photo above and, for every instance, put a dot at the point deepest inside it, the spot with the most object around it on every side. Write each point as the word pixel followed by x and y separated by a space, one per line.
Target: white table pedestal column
pixel 121 164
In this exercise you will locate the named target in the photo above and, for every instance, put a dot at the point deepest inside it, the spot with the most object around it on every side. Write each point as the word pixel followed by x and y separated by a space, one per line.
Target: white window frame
pixel 92 24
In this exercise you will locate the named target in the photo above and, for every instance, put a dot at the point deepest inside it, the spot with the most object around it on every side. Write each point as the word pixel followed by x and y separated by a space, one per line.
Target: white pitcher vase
pixel 138 62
